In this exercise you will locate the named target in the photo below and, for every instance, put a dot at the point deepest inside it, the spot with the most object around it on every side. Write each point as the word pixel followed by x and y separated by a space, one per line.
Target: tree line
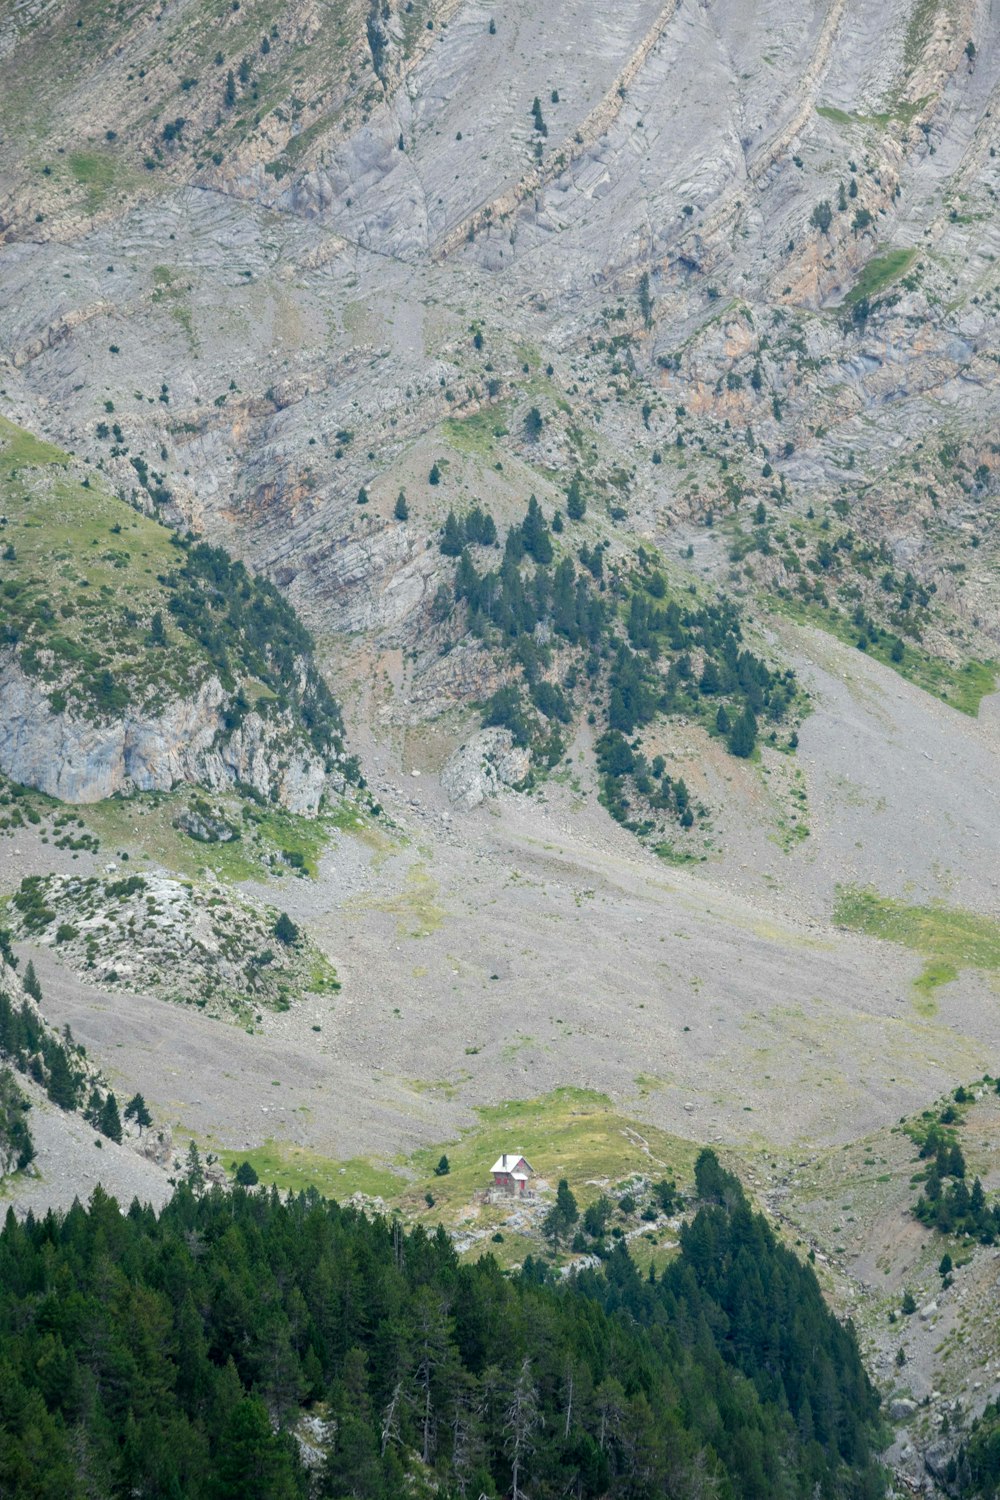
pixel 173 1354
pixel 54 1061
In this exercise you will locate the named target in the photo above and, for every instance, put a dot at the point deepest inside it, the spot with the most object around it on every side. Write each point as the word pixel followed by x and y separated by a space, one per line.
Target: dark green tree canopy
pixel 169 1355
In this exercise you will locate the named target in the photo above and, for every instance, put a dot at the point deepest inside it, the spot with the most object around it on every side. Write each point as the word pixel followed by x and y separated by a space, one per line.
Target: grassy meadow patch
pixel 573 1133
pixel 949 938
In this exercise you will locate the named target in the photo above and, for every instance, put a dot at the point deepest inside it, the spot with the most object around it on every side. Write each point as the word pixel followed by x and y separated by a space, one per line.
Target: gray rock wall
pixel 79 760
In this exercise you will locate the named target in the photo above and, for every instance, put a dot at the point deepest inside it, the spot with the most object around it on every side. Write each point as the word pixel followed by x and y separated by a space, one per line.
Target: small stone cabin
pixel 513 1173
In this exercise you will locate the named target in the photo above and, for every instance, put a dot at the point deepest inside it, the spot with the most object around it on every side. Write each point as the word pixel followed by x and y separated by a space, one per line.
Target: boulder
pixel 482 765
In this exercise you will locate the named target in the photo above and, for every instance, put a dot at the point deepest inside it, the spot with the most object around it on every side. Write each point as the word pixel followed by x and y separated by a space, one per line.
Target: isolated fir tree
pixel 194 1172
pixel 822 216
pixel 61 1086
pixel 562 1215
pixel 30 982
pixel 109 1123
pixel 285 930
pixel 136 1110
pixel 646 307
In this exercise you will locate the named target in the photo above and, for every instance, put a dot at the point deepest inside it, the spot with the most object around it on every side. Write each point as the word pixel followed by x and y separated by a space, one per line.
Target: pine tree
pixel 30 982
pixel 822 216
pixel 562 1215
pixel 646 308
pixel 194 1172
pixel 401 510
pixel 521 1422
pixel 743 734
pixel 110 1123
pixel 285 930
pixel 252 1463
pixel 61 1086
pixel 566 1202
pixel 453 539
pixel 576 506
pixel 17 1149
pixel 709 682
pixel 136 1110
pixel 535 534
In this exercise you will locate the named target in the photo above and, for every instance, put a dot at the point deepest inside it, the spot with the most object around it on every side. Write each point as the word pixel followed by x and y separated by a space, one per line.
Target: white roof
pixel 509 1161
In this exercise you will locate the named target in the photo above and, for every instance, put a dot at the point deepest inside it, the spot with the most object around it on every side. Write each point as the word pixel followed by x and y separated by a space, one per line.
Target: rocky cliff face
pixel 82 760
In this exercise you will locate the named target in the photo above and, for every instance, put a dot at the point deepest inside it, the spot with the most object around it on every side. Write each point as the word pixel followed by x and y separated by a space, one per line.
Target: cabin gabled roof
pixel 509 1161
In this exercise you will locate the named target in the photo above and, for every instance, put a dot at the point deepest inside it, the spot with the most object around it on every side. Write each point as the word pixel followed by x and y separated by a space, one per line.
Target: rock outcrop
pixel 480 767
pixel 80 759
pixel 200 946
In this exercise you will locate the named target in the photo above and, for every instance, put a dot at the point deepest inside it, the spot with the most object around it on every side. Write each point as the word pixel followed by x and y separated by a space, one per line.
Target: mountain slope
pixel 132 658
